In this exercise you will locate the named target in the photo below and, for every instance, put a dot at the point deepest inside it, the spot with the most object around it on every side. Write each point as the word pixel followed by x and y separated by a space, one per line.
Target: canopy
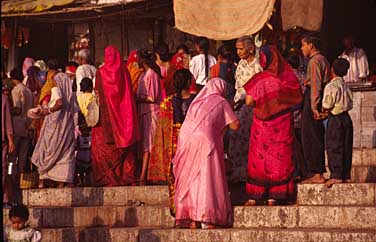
pixel 222 19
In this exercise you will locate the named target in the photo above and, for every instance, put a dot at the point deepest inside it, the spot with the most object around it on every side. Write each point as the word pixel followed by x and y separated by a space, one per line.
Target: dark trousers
pixel 22 145
pixel 339 144
pixel 313 138
pixel 298 156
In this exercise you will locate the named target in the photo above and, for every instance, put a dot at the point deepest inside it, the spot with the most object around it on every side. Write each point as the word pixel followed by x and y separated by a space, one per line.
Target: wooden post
pixel 12 53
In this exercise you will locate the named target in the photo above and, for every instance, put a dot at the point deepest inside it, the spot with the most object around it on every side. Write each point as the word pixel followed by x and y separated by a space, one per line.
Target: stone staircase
pixel 343 213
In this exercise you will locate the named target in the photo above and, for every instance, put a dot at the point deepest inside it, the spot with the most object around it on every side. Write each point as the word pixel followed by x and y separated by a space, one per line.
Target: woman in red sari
pixel 274 93
pixel 113 138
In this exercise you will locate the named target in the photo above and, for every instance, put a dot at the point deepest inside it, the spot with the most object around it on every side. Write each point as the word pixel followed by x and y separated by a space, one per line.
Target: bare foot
pixel 211 226
pixel 195 225
pixel 317 178
pixel 272 202
pixel 41 183
pixel 250 202
pixel 60 184
pixel 332 181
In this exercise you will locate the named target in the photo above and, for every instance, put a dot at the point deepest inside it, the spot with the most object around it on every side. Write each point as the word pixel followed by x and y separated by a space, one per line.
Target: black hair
pixel 340 67
pixel 312 38
pixel 72 63
pixel 163 52
pixel 225 52
pixel 33 81
pixel 293 59
pixel 19 211
pixel 183 47
pixel 16 74
pixel 53 64
pixel 148 58
pixel 203 44
pixel 86 85
pixel 182 80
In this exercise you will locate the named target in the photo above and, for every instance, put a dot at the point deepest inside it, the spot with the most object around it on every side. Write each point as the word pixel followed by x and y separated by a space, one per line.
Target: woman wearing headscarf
pixel 54 151
pixel 201 195
pixel 135 71
pixel 45 94
pixel 113 138
pixel 274 93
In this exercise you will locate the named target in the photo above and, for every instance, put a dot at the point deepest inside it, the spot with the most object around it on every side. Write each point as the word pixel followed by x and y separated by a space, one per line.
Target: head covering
pixel 118 94
pixel 275 90
pixel 26 64
pixel 211 96
pixel 134 70
pixel 50 83
pixel 41 64
pixel 132 58
pixel 70 69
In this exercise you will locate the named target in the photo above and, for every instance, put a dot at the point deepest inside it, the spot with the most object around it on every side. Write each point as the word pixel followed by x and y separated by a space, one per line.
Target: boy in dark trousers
pixel 337 101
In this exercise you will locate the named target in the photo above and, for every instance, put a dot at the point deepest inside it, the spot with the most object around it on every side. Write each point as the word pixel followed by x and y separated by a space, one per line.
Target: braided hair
pixel 203 44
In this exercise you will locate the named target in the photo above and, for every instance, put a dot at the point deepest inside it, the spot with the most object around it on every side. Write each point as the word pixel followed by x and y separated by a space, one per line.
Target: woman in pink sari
pixel 274 93
pixel 113 138
pixel 201 194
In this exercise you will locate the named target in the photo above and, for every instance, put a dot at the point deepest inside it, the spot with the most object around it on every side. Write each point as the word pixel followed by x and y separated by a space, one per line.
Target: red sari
pixel 276 92
pixel 113 139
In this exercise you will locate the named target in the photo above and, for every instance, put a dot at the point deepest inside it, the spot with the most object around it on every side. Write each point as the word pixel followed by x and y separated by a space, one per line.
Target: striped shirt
pixel 318 74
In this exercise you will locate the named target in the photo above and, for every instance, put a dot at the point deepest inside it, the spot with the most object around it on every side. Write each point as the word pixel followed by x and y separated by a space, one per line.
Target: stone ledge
pixel 340 194
pixel 216 235
pixel 95 196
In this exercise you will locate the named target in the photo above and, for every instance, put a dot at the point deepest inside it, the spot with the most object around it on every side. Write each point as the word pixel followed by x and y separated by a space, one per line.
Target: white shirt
pixel 82 71
pixel 197 67
pixel 358 65
pixel 244 72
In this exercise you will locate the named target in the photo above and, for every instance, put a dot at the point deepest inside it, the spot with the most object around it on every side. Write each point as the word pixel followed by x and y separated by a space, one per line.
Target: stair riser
pixel 95 196
pixel 245 217
pixel 341 194
pixel 224 235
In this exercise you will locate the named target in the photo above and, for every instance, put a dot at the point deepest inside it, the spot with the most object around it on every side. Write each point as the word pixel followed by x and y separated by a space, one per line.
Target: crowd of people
pixel 194 123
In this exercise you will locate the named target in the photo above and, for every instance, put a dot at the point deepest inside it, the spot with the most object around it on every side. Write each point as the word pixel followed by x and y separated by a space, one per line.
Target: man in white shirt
pixel 85 69
pixel 198 65
pixel 357 58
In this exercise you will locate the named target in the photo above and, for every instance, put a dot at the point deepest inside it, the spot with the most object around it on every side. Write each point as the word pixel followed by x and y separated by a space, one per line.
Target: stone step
pixel 308 194
pixel 95 196
pixel 329 217
pixel 204 235
pixel 339 194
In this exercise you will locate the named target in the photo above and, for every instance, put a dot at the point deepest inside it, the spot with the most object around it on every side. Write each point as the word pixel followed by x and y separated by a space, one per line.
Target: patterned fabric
pixel 276 91
pixel 318 74
pixel 358 65
pixel 24 235
pixel 337 97
pixel 244 72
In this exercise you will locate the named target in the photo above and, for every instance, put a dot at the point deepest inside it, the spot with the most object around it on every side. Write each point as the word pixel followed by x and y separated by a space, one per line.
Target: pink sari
pixel 276 92
pixel 201 188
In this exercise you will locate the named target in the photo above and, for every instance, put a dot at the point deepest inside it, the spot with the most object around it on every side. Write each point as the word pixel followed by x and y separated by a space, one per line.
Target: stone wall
pixel 363 116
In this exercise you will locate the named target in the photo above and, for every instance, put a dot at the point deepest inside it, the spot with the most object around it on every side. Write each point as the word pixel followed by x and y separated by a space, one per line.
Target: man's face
pixel 348 43
pixel 306 48
pixel 242 50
